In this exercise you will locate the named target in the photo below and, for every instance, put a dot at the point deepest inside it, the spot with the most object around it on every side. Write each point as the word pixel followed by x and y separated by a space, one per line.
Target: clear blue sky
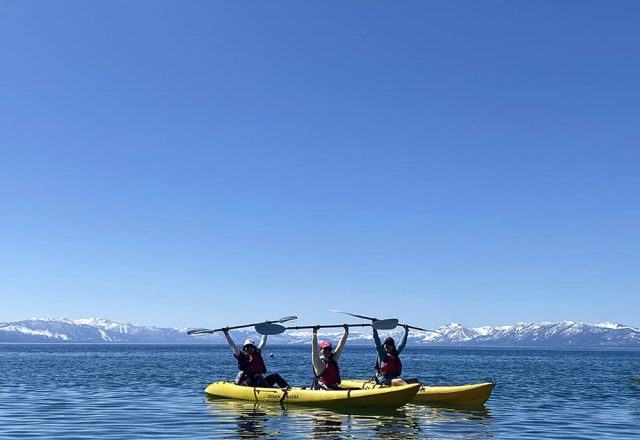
pixel 204 163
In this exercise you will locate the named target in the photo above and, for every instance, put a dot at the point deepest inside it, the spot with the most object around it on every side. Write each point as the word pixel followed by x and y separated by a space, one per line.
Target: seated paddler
pixel 388 365
pixel 325 360
pixel 251 365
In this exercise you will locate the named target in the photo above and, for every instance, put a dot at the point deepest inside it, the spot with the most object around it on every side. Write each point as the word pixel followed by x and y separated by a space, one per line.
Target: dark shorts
pixel 258 380
pixel 385 380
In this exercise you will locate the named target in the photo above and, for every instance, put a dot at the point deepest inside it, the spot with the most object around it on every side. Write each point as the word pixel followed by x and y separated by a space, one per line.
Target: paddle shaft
pixel 203 331
pixel 302 327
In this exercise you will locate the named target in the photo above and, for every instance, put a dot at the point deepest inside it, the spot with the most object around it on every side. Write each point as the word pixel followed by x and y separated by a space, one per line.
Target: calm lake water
pixel 151 391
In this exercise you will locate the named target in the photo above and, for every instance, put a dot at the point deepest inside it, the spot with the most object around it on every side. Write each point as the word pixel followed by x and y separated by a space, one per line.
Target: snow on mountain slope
pixel 540 334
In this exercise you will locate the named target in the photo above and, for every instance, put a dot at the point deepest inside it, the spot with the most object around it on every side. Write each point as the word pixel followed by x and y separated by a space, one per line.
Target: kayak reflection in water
pixel 388 366
pixel 325 363
pixel 251 364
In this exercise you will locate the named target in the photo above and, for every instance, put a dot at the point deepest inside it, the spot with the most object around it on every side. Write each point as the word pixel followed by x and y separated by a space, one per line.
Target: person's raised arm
pixel 403 341
pixel 342 342
pixel 263 342
pixel 234 347
pixel 376 340
pixel 316 362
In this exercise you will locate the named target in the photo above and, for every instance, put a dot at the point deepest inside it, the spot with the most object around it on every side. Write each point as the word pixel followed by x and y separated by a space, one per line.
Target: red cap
pixel 325 344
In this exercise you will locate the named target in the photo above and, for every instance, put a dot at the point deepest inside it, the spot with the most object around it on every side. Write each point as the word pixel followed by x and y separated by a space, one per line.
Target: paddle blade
pixel 269 329
pixel 354 315
pixel 422 329
pixel 286 319
pixel 385 324
pixel 199 331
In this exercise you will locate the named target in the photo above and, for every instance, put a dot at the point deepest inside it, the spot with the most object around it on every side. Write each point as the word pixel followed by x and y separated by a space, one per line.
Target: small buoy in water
pixel 271 355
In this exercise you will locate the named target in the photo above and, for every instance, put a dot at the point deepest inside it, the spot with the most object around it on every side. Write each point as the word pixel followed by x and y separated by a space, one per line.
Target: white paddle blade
pixel 353 314
pixel 269 329
pixel 199 331
pixel 385 324
pixel 287 318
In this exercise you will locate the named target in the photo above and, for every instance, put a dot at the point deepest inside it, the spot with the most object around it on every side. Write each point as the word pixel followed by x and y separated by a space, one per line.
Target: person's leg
pixel 240 378
pixel 270 380
pixel 275 378
pixel 281 382
pixel 260 381
pixel 397 382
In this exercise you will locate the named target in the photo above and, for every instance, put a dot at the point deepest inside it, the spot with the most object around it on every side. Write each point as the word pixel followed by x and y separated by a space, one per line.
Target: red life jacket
pixel 391 365
pixel 331 373
pixel 252 364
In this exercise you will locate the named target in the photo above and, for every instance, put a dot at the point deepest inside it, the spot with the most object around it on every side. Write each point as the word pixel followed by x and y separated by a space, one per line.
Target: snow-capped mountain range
pixel 541 334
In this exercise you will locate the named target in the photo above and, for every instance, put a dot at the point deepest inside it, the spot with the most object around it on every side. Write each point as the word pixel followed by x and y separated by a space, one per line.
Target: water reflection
pixel 250 423
pixel 456 422
pixel 259 419
pixel 246 419
pixel 445 413
pixel 326 425
pixel 400 427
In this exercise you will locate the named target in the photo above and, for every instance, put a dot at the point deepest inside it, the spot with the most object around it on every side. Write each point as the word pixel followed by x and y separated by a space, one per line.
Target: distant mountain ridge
pixel 541 334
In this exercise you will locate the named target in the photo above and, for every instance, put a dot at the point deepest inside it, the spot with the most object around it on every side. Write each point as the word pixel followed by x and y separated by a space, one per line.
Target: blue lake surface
pixel 74 391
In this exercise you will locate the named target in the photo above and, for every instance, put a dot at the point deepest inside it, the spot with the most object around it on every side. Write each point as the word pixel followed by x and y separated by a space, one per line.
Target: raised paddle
pixel 376 319
pixel 422 329
pixel 381 324
pixel 206 331
pixel 276 329
pixel 354 315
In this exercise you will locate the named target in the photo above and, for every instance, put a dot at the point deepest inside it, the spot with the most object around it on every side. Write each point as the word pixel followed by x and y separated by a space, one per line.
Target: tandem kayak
pixel 390 397
pixel 475 394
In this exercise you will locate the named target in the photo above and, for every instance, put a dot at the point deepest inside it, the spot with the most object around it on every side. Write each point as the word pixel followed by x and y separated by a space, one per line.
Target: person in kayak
pixel 251 364
pixel 388 365
pixel 325 362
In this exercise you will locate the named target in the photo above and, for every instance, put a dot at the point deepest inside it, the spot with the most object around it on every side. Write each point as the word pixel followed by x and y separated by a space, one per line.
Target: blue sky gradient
pixel 205 163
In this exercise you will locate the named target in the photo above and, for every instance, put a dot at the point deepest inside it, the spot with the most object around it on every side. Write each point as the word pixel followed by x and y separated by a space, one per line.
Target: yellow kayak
pixel 475 394
pixel 390 397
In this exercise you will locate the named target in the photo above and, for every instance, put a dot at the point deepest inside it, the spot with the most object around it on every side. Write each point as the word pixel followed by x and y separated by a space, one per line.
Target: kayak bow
pixel 474 394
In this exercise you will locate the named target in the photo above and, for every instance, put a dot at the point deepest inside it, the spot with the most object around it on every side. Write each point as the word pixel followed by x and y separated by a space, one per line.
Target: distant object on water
pixel 271 355
pixel 635 380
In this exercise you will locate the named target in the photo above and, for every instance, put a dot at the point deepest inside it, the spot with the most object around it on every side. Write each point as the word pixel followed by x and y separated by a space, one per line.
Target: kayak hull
pixel 391 397
pixel 474 394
